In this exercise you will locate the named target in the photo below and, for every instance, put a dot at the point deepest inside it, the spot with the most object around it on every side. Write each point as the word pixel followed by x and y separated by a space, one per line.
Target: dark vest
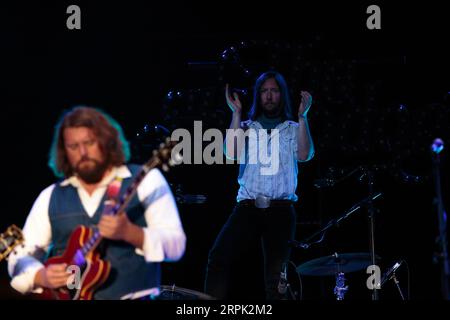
pixel 129 271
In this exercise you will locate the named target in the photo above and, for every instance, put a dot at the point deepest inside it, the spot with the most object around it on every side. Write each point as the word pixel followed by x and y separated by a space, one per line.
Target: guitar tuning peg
pixel 165 167
pixel 177 158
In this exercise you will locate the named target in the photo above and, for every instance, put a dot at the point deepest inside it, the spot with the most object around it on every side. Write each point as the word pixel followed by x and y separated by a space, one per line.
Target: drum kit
pixel 173 292
pixel 336 265
pixel 340 264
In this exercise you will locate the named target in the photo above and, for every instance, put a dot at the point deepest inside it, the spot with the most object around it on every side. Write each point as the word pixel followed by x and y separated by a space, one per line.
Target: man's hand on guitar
pixel 119 227
pixel 114 227
pixel 53 276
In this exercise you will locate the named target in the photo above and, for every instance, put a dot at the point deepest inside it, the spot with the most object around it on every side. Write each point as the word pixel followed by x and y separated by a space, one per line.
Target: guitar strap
pixel 110 204
pixel 112 196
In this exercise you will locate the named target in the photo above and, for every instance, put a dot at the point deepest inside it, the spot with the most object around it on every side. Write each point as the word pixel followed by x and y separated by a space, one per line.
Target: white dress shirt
pixel 164 237
pixel 282 184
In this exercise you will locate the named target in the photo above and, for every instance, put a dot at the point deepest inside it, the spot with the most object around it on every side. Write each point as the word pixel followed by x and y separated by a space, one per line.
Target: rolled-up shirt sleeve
pixel 164 237
pixel 25 261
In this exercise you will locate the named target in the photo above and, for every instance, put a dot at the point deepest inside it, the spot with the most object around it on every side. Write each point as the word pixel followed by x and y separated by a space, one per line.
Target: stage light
pixel 437 146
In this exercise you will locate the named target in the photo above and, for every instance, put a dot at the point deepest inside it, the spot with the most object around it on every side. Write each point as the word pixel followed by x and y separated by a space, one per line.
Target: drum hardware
pixel 337 265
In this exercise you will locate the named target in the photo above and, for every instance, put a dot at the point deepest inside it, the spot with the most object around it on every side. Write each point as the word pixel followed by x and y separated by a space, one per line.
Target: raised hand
pixel 233 102
pixel 305 104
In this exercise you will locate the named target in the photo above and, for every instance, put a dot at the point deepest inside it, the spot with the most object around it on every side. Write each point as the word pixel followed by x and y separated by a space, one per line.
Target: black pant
pixel 275 226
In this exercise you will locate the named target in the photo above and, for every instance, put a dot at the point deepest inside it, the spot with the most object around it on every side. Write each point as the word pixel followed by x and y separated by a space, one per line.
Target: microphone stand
pixel 390 275
pixel 368 171
pixel 397 283
pixel 442 218
pixel 305 244
pixel 371 216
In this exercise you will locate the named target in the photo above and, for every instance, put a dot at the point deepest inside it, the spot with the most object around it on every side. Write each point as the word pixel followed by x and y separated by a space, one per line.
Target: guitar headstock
pixel 11 238
pixel 164 157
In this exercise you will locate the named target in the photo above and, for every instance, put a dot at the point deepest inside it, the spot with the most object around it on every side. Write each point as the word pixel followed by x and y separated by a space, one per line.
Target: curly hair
pixel 108 132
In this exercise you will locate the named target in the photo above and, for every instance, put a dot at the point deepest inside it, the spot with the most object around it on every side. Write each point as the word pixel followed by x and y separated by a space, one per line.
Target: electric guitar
pixel 9 240
pixel 81 253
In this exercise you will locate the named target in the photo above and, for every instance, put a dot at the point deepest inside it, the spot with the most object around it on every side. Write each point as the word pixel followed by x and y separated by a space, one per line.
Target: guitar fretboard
pixel 113 207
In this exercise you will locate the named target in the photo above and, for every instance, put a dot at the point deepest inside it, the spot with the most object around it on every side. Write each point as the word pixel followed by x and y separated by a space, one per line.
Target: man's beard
pixel 93 174
pixel 272 112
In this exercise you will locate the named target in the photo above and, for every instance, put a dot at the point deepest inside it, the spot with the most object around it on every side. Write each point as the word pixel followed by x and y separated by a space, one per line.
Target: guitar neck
pixel 119 208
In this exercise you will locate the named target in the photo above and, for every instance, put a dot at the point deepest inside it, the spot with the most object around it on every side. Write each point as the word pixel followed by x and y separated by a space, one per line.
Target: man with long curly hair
pixel 88 153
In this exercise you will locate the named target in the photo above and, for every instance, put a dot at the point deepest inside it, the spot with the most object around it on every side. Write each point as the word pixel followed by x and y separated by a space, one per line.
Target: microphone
pixel 282 283
pixel 437 146
pixel 389 273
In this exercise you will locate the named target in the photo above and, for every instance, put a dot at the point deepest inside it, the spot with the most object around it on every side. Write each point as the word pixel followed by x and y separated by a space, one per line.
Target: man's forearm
pixel 39 278
pixel 233 139
pixel 135 236
pixel 305 146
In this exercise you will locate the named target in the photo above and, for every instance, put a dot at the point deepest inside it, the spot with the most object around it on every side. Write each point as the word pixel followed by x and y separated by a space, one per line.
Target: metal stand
pixel 368 172
pixel 390 274
pixel 291 293
pixel 397 283
pixel 371 216
pixel 340 288
pixel 305 244
pixel 442 256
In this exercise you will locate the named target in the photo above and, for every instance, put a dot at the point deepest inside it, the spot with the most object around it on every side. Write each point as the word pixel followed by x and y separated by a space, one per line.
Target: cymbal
pixel 177 293
pixel 330 265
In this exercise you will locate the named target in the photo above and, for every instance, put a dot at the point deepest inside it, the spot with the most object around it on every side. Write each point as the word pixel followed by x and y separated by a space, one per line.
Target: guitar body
pixel 93 270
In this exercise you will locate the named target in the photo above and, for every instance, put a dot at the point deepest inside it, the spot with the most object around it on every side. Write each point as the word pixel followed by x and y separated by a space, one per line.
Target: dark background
pixel 380 98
